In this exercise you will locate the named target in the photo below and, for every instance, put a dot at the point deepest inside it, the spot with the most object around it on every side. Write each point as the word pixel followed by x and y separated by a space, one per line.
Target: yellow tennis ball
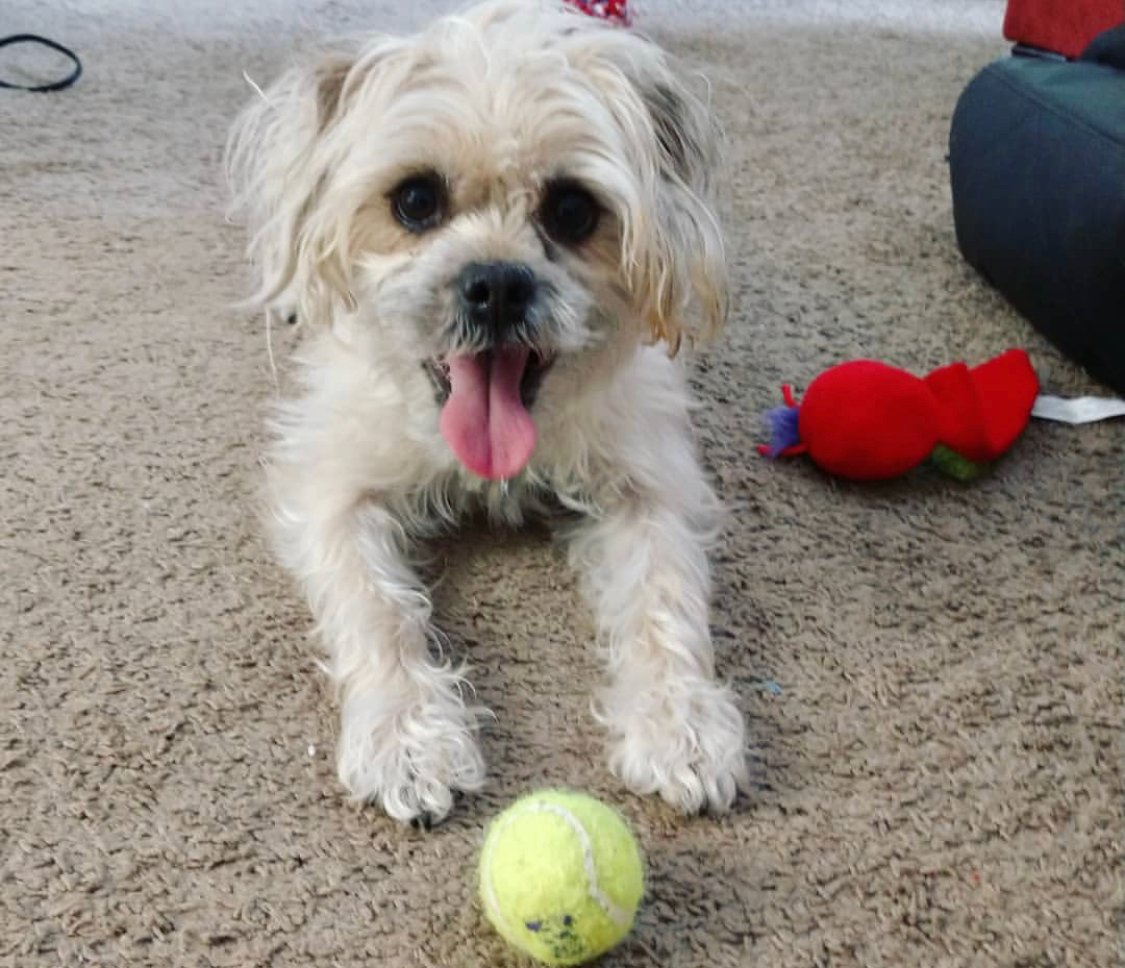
pixel 561 876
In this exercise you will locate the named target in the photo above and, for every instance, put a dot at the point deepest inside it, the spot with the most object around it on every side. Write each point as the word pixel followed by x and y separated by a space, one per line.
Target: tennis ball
pixel 561 876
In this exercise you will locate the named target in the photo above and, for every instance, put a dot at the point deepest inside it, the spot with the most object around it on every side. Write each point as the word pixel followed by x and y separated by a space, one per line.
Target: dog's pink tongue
pixel 484 421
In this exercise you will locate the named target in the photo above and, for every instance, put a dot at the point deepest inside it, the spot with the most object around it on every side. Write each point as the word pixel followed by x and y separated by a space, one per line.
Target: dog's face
pixel 504 194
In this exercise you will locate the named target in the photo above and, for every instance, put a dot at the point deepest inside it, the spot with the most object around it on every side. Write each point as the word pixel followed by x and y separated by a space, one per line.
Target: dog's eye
pixel 569 213
pixel 419 202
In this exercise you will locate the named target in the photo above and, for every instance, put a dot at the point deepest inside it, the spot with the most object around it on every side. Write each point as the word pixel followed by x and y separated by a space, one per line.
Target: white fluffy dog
pixel 496 233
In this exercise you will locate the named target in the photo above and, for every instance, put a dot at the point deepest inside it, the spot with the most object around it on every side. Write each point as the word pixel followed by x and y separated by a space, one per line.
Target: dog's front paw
pixel 686 742
pixel 409 759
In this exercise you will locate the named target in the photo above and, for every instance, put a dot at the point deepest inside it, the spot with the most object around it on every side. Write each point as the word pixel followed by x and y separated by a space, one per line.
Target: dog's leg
pixel 673 729
pixel 407 739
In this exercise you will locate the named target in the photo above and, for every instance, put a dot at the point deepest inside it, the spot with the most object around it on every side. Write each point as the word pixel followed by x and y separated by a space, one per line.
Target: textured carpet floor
pixel 933 671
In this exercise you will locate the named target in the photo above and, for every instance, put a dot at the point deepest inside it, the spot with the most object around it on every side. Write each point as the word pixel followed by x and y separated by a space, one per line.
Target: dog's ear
pixel 678 264
pixel 280 162
pixel 688 272
pixel 685 138
pixel 329 78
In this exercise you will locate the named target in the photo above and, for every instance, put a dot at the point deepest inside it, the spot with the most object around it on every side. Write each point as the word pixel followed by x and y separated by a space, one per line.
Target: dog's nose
pixel 495 295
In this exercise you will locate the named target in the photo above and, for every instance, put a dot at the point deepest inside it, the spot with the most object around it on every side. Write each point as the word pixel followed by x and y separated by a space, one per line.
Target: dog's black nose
pixel 495 295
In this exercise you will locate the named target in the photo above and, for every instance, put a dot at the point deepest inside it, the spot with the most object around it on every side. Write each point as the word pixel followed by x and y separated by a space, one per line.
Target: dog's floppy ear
pixel 280 161
pixel 686 139
pixel 329 78
pixel 679 263
pixel 690 275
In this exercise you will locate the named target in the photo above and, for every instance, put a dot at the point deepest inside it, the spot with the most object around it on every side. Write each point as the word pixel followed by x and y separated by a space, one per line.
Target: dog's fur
pixel 500 101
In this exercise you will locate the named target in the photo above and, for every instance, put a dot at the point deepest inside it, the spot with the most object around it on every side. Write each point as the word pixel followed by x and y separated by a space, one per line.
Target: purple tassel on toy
pixel 781 428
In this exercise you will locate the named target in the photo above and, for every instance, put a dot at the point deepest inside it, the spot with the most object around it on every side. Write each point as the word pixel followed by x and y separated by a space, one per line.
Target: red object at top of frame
pixel 1063 26
pixel 615 10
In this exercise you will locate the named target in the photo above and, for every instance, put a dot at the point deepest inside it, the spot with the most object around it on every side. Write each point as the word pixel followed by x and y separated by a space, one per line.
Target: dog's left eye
pixel 419 202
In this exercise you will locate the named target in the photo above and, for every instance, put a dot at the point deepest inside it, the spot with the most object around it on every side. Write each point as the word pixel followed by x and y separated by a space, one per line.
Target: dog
pixel 495 234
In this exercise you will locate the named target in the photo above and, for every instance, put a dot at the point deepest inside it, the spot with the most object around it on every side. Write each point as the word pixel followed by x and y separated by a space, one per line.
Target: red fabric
pixel 615 10
pixel 1062 26
pixel 984 410
pixel 960 411
pixel 868 421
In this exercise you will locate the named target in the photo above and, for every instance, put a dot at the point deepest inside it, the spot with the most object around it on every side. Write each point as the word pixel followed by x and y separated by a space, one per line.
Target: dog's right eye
pixel 419 202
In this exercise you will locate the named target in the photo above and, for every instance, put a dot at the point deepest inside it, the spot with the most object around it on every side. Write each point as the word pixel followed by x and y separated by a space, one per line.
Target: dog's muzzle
pixel 487 388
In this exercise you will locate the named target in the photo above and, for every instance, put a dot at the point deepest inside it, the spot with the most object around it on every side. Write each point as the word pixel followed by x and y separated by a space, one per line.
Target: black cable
pixel 53 85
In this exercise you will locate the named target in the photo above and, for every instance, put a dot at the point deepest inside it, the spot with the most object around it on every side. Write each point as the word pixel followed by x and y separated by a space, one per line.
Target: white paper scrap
pixel 1080 410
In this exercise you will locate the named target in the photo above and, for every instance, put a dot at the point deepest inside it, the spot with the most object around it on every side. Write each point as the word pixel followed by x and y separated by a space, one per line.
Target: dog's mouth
pixel 538 364
pixel 485 400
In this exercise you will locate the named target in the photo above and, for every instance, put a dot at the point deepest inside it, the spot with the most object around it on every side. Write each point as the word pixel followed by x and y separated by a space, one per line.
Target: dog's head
pixel 509 191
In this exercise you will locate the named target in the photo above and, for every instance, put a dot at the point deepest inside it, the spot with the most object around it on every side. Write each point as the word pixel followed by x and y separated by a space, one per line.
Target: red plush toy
pixel 869 421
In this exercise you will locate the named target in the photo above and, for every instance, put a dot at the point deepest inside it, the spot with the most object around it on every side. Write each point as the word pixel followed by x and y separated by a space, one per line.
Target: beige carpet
pixel 933 671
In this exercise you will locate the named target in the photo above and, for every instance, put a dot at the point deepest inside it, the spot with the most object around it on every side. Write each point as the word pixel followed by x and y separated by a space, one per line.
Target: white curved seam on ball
pixel 611 910
pixel 491 901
